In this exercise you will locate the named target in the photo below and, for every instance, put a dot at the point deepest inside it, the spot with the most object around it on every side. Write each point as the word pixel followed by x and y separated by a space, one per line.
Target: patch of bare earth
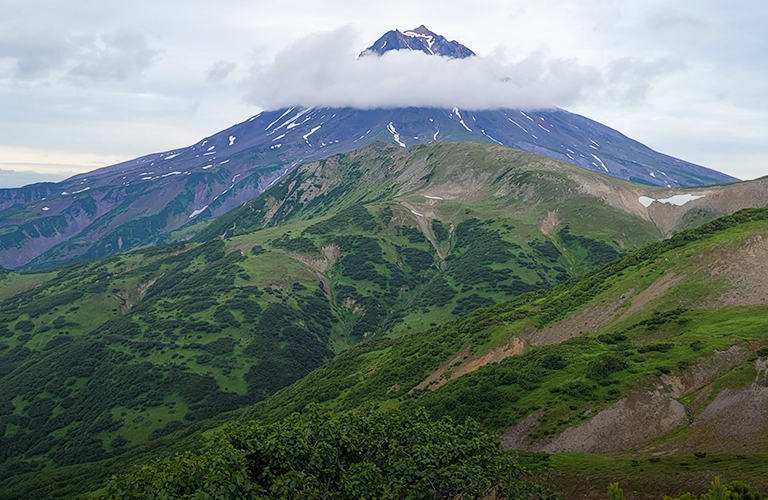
pixel 590 320
pixel 321 266
pixel 639 418
pixel 734 420
pixel 550 223
pixel 271 211
pixel 438 373
pixel 746 269
pixel 125 300
pixel 142 289
pixel 459 365
pixel 422 215
pixel 657 288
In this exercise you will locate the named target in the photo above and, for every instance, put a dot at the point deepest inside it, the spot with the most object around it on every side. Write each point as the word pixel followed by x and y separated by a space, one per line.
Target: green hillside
pixel 100 356
pixel 583 344
pixel 651 335
pixel 688 341
pixel 104 360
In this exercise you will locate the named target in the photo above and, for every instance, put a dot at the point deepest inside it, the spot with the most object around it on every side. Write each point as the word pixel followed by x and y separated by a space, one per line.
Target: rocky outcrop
pixel 644 416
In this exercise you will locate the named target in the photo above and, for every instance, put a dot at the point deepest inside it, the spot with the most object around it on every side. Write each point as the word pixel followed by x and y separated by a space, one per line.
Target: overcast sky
pixel 84 84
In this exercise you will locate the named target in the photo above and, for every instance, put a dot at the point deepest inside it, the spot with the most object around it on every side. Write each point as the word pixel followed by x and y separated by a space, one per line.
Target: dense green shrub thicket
pixel 408 361
pixel 355 215
pixel 361 454
pixel 735 490
pixel 598 252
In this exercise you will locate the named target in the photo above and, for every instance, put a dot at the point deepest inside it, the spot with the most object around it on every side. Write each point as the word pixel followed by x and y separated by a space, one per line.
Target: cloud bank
pixel 322 70
pixel 77 58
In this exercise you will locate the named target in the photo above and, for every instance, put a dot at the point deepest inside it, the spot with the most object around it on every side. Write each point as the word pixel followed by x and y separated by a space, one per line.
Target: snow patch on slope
pixel 306 136
pixel 461 120
pixel 601 163
pixel 677 200
pixel 281 116
pixel 394 133
pixel 197 212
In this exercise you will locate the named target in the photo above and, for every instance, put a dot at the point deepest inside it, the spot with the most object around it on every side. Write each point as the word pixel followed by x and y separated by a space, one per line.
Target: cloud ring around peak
pixel 322 70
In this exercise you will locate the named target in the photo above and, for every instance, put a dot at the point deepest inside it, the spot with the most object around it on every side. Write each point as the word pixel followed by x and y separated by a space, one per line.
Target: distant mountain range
pixel 169 196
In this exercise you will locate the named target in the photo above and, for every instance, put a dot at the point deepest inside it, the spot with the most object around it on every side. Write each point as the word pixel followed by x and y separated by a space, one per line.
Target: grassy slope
pixel 501 394
pixel 375 367
pixel 385 370
pixel 108 354
pixel 394 366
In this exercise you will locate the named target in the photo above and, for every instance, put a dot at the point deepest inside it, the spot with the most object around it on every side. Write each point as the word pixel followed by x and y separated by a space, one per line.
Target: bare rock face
pixel 635 419
pixel 420 39
pixel 734 420
pixel 642 417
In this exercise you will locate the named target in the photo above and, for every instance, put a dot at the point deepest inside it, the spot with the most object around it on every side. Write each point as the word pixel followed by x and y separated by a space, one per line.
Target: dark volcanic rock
pixel 418 39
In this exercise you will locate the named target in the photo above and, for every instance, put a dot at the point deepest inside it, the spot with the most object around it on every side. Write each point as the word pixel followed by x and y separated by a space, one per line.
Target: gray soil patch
pixel 746 269
pixel 644 416
pixel 550 223
pixel 657 288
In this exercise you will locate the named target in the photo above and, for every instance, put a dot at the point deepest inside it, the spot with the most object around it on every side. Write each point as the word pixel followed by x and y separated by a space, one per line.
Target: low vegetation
pixel 364 453
pixel 110 361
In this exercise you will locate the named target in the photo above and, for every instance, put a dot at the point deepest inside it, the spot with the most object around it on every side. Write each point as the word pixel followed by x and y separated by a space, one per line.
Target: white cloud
pixel 321 70
pixel 114 57
pixel 631 78
pixel 34 57
pixel 665 17
pixel 220 71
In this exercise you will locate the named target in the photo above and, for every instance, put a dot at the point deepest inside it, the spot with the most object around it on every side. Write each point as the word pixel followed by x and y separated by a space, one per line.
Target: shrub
pixel 663 347
pixel 25 326
pixel 611 338
pixel 605 365
pixel 733 490
pixel 361 454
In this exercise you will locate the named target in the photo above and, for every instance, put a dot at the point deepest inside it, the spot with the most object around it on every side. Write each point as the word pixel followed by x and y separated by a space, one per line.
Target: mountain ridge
pixel 562 385
pixel 378 242
pixel 170 196
pixel 420 39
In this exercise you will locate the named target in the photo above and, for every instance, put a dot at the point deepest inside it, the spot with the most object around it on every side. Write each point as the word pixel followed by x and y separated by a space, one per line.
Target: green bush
pixel 24 326
pixel 605 365
pixel 441 233
pixel 735 490
pixel 361 454
pixel 661 347
pixel 300 244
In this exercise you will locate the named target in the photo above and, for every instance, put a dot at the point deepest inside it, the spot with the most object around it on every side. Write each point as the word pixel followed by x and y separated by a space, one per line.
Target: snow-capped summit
pixel 421 39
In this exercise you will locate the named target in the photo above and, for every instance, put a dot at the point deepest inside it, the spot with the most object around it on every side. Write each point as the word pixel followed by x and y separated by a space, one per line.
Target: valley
pixel 360 273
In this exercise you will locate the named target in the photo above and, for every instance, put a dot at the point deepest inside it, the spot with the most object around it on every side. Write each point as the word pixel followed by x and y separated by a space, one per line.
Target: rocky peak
pixel 421 39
